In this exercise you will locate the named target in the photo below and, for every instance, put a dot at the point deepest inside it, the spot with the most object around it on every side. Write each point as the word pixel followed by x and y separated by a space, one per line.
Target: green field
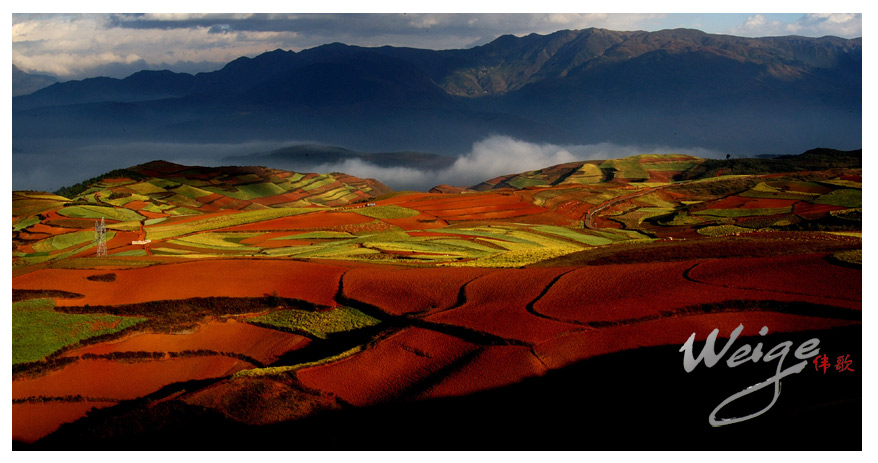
pixel 39 331
pixel 628 168
pixel 250 191
pixel 159 232
pixel 24 223
pixel 319 324
pixel 722 230
pixel 216 240
pixel 387 212
pixel 321 234
pixel 97 212
pixel 745 212
pixel 67 240
pixel 145 188
pixel 587 174
pixel 845 197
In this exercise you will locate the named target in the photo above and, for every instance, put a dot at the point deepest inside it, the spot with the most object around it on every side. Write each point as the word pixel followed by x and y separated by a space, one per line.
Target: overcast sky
pixel 76 46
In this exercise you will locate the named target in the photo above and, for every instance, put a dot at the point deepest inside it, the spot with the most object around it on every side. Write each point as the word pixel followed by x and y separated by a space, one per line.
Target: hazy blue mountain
pixel 24 83
pixel 140 86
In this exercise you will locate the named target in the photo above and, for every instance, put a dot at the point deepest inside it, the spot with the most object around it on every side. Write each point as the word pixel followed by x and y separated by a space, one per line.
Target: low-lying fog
pixel 50 166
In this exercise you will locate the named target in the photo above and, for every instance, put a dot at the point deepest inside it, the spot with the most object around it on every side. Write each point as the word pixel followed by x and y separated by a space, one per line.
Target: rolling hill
pixel 164 187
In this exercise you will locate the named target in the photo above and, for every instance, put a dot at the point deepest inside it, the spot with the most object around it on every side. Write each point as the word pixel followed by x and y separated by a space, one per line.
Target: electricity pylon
pixel 101 238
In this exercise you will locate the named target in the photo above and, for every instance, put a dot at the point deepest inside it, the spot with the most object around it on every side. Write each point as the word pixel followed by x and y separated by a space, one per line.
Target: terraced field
pixel 270 303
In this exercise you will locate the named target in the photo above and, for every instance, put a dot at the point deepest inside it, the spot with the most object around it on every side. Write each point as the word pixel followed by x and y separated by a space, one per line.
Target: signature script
pixel 746 353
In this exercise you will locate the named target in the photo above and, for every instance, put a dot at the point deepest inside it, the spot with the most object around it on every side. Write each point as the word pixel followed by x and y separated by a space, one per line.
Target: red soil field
pixel 209 198
pixel 191 218
pixel 407 198
pixel 574 212
pixel 793 186
pixel 388 369
pixel 135 205
pixel 25 248
pixel 226 202
pixel 464 210
pixel 661 176
pixel 277 199
pixel 493 367
pixel 422 221
pixel 496 304
pixel 810 209
pixel 853 178
pixel 203 278
pixel 49 230
pixel 267 240
pixel 403 291
pixel 101 378
pixel 32 421
pixel 320 219
pixel 807 274
pixel 740 202
pixel 262 344
pixel 152 215
pixel 603 222
pixel 74 224
pixel 122 241
pixel 34 236
pixel 465 215
pixel 630 291
pixel 296 195
pixel 324 188
pixel 54 215
pixel 444 204
pixel 499 203
pixel 428 234
pixel 564 350
pixel 277 399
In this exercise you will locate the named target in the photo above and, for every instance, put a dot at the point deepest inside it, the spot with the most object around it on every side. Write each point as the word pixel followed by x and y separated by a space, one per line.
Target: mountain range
pixel 677 88
pixel 24 83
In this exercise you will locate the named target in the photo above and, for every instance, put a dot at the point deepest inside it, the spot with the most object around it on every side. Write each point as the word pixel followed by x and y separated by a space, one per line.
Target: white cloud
pixel 499 155
pixel 70 47
pixel 848 25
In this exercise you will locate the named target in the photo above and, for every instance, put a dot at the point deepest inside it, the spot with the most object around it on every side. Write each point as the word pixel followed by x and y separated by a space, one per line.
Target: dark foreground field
pixel 638 399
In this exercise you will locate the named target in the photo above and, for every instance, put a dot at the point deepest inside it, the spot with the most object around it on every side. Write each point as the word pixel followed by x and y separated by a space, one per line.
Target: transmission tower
pixel 101 237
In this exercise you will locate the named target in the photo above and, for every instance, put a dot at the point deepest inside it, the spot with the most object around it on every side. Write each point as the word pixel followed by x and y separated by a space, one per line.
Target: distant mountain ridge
pixel 508 63
pixel 676 87
pixel 24 83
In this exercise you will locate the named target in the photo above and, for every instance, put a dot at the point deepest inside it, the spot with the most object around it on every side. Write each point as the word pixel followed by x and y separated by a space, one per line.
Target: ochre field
pixel 265 297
